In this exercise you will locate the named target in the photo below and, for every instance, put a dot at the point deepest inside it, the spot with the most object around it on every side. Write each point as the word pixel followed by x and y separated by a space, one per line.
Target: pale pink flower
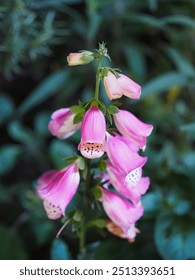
pixel 123 157
pixel 132 128
pixel 116 230
pixel 128 87
pixel 56 188
pixel 121 85
pixel 61 124
pixel 121 212
pixel 84 57
pixel 93 132
pixel 111 86
pixel 130 187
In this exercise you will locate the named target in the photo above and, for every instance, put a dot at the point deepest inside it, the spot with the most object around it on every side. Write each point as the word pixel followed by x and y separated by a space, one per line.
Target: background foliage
pixel 151 41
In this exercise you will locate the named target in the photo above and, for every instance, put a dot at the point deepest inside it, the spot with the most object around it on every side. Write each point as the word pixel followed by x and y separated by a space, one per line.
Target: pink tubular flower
pixel 123 158
pixel 129 88
pixel 112 87
pixel 121 212
pixel 93 132
pixel 132 189
pixel 122 85
pixel 132 128
pixel 61 124
pixel 84 57
pixel 56 188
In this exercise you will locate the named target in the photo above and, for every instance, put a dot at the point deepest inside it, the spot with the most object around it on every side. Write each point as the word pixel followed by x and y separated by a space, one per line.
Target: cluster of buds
pixel 121 182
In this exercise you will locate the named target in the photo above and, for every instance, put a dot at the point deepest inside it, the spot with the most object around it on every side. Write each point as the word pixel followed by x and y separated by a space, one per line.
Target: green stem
pixel 98 77
pixel 82 233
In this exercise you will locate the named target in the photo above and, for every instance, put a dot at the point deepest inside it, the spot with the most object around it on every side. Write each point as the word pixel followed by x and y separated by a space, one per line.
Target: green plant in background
pixel 151 41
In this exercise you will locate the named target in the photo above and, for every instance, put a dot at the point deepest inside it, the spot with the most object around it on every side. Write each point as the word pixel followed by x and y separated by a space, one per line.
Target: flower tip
pixel 53 212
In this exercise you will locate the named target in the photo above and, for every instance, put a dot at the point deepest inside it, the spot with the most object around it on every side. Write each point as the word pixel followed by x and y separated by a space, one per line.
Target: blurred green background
pixel 151 41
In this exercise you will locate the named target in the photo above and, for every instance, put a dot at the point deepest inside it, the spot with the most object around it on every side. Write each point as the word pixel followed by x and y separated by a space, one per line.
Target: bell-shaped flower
pixel 83 57
pixel 131 188
pixel 121 212
pixel 116 230
pixel 56 188
pixel 93 132
pixel 128 87
pixel 123 158
pixel 132 128
pixel 62 124
pixel 121 85
pixel 112 88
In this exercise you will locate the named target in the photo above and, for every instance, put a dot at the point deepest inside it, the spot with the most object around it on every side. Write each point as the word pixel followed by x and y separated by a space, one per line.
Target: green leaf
pixel 188 128
pixel 6 108
pixel 97 192
pixel 59 250
pixel 41 121
pixel 45 90
pixel 81 163
pixel 109 117
pixel 164 82
pixel 179 19
pixel 135 56
pixel 102 165
pixel 8 157
pixel 77 217
pixel 181 62
pixel 11 245
pixel 59 151
pixel 174 236
pixel 21 133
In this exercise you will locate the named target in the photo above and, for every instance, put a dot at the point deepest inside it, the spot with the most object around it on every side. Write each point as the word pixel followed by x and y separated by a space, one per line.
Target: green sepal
pixel 112 109
pixel 78 118
pixel 100 223
pixel 76 109
pixel 102 165
pixel 96 192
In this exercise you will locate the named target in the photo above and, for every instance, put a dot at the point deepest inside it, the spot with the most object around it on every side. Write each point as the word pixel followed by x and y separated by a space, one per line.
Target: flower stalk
pixel 119 165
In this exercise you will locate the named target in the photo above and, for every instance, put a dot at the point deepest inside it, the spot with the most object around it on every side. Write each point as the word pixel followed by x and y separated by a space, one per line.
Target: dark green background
pixel 151 41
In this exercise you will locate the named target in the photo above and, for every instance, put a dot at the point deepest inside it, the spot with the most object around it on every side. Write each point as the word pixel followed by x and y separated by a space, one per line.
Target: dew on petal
pixel 92 150
pixel 53 212
pixel 134 176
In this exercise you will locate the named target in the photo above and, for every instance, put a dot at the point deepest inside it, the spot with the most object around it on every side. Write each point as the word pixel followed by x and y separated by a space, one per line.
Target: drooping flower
pixel 116 230
pixel 132 128
pixel 56 188
pixel 61 124
pixel 129 88
pixel 130 188
pixel 121 85
pixel 121 212
pixel 112 88
pixel 123 158
pixel 93 132
pixel 84 57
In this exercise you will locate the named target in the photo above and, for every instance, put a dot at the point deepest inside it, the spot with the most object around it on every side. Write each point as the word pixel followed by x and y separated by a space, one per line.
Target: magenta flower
pixel 121 212
pixel 61 124
pixel 84 57
pixel 122 85
pixel 132 189
pixel 132 128
pixel 122 157
pixel 56 188
pixel 93 132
